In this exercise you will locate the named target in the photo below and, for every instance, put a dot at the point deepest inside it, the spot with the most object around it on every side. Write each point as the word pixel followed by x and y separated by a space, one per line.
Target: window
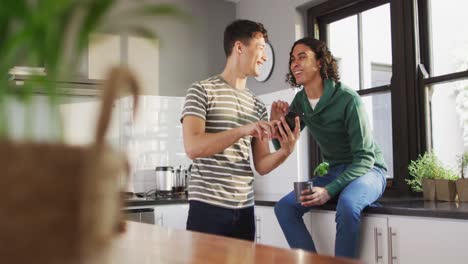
pixel 449 120
pixel 360 38
pixel 423 103
pixel 343 43
pixel 444 77
pixel 448 36
pixel 379 108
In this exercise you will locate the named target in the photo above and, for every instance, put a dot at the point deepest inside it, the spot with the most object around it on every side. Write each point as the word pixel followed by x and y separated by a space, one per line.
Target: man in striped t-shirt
pixel 222 122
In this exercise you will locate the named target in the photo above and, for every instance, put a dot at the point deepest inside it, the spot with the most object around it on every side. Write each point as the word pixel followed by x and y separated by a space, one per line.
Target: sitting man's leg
pixel 289 214
pixel 359 194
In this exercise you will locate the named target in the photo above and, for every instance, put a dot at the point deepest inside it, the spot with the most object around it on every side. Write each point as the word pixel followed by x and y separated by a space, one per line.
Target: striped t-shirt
pixel 224 179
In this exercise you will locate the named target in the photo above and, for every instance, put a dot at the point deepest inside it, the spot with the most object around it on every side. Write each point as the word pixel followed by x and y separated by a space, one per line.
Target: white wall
pixel 285 22
pixel 279 182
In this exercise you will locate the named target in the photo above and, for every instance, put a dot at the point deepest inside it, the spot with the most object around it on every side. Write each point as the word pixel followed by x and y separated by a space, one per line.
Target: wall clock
pixel 267 68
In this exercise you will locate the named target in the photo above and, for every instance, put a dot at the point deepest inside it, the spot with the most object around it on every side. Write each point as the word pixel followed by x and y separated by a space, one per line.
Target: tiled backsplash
pixel 153 139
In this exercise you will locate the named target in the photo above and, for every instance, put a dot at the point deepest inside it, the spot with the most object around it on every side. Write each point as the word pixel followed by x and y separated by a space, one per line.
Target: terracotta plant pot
pixel 445 190
pixel 462 190
pixel 429 189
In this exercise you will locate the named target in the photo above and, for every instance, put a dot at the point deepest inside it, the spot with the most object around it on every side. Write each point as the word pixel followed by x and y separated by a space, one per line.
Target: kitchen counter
pixel 137 202
pixel 408 206
pixel 149 244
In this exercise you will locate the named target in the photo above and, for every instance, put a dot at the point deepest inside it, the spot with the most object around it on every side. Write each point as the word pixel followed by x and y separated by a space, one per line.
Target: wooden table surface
pixel 150 244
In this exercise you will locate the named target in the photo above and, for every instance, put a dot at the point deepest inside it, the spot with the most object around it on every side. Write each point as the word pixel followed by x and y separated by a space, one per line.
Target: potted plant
pixel 423 172
pixel 445 184
pixel 462 183
pixel 60 203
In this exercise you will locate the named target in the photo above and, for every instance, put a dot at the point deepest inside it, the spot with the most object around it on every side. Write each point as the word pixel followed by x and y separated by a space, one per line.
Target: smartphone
pixel 290 119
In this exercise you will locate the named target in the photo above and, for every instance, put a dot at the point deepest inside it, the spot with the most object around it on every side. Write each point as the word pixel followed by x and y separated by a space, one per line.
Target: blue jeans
pixel 216 220
pixel 357 195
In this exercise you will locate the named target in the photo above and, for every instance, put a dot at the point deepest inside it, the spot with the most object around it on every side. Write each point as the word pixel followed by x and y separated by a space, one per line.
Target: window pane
pixel 449 111
pixel 449 36
pixel 379 110
pixel 343 44
pixel 377 46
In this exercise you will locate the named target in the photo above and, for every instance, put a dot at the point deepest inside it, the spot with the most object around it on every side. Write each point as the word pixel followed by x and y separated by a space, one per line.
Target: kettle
pixel 164 178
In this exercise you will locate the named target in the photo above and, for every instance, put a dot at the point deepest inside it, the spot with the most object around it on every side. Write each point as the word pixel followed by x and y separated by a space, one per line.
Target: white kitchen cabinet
pixel 140 54
pixel 268 230
pixel 374 238
pixel 388 239
pixel 171 216
pixel 104 51
pixel 373 248
pixel 323 231
pixel 427 240
pixel 143 60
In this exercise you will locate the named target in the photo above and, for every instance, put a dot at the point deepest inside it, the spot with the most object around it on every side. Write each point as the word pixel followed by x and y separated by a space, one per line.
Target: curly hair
pixel 329 69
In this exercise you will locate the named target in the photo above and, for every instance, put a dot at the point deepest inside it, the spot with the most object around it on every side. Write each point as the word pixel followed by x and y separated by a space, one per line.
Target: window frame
pixel 408 122
pixel 426 77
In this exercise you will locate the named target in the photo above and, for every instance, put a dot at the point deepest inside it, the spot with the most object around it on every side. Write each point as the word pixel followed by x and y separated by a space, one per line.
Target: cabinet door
pixel 374 244
pixel 143 60
pixel 158 217
pixel 428 240
pixel 173 216
pixel 268 229
pixel 322 227
pixel 258 212
pixel 104 52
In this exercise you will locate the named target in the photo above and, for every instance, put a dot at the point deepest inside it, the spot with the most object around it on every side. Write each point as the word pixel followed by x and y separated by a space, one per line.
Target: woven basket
pixel 60 203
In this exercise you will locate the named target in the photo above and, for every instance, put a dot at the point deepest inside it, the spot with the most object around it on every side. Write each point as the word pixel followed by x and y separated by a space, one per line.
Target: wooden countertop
pixel 149 244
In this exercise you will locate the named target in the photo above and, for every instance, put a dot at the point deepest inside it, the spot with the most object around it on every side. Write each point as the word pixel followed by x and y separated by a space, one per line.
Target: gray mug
pixel 301 186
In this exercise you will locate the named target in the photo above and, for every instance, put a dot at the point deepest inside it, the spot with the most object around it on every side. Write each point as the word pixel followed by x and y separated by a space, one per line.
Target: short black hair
pixel 242 30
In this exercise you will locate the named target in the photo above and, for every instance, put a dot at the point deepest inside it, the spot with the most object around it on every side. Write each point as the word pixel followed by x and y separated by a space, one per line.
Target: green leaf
pixel 322 169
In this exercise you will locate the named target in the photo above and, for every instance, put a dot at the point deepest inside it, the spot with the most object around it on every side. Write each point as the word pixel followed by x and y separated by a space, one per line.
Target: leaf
pixel 321 169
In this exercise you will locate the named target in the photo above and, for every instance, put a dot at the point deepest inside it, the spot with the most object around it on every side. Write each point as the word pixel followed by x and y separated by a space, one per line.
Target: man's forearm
pixel 270 161
pixel 208 144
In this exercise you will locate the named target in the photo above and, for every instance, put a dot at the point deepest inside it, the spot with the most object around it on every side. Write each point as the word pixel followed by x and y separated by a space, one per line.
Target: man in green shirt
pixel 336 117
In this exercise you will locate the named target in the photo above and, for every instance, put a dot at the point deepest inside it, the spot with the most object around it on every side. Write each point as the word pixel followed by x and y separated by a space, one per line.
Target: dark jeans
pixel 236 223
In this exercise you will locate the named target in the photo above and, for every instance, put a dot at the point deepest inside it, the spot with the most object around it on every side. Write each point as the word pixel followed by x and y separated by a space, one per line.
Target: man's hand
pixel 286 137
pixel 261 130
pixel 318 196
pixel 278 110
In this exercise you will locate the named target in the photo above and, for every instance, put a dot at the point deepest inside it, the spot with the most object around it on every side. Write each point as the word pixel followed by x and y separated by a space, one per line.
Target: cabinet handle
pixel 257 229
pixel 376 243
pixel 391 234
pixel 159 221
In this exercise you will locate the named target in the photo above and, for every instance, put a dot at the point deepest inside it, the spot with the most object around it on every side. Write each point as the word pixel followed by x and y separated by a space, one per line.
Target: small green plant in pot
pixel 462 183
pixel 445 184
pixel 423 172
